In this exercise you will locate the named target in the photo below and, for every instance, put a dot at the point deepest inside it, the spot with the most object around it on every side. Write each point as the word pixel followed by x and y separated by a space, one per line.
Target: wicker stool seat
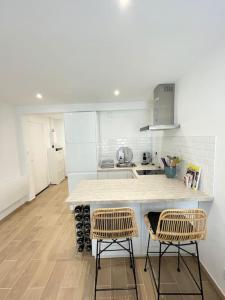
pixel 114 226
pixel 177 225
pixel 178 228
pixel 114 223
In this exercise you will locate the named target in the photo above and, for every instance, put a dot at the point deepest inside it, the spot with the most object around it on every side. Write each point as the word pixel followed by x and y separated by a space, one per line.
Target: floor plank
pixel 38 260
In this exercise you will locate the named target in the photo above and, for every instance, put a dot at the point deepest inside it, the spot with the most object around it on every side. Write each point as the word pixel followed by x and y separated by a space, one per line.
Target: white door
pixel 38 156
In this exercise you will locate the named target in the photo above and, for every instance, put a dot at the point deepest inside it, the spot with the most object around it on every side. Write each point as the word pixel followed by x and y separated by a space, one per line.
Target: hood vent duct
pixel 163 108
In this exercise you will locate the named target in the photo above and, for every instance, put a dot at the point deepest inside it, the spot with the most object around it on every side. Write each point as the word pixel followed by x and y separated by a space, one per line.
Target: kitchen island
pixel 142 193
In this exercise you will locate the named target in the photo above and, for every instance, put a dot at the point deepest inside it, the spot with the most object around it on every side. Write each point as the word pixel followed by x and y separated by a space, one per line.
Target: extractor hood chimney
pixel 163 108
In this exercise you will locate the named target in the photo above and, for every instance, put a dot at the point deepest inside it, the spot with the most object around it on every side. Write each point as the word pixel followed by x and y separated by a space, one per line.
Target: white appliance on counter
pixel 56 161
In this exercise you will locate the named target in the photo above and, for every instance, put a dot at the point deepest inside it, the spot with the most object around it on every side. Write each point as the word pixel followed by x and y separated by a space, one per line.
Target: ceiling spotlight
pixel 124 3
pixel 116 92
pixel 39 96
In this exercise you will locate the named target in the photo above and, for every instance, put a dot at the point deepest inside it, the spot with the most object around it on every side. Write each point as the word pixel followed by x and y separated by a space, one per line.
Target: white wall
pixel 200 109
pixel 198 150
pixel 9 149
pixel 11 174
pixel 122 128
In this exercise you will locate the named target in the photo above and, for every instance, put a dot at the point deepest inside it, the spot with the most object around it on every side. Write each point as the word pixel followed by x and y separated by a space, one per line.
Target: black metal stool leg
pixel 146 259
pixel 131 263
pixel 96 270
pixel 159 272
pixel 134 270
pixel 178 258
pixel 99 255
pixel 199 270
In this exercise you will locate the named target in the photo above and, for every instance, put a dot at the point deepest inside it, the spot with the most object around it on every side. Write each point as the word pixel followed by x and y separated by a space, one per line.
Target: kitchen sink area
pixel 150 172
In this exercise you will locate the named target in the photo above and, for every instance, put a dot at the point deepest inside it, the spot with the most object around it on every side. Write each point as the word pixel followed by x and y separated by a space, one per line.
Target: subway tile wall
pixel 107 147
pixel 199 150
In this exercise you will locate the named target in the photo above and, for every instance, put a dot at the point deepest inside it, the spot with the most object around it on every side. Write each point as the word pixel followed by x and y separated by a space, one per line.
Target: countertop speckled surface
pixel 142 189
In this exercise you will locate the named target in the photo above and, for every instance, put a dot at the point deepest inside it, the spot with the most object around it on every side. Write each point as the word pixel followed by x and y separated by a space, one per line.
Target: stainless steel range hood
pixel 163 108
pixel 160 127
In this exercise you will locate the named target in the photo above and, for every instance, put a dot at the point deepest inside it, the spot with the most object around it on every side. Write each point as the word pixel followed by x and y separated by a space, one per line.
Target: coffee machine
pixel 146 158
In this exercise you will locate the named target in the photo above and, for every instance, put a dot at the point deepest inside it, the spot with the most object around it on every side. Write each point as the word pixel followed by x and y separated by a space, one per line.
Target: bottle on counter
pixel 156 160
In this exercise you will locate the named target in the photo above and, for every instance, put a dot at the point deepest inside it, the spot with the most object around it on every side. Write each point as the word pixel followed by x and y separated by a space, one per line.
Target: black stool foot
pixel 178 270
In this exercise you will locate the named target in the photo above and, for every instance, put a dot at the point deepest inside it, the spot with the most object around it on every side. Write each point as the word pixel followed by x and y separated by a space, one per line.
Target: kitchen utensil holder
pixel 170 172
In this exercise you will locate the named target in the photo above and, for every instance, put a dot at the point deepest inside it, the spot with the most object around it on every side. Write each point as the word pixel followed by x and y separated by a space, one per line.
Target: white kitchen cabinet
pixel 81 147
pixel 130 174
pixel 118 174
pixel 80 127
pixel 56 165
pixel 102 175
pixel 81 157
pixel 115 174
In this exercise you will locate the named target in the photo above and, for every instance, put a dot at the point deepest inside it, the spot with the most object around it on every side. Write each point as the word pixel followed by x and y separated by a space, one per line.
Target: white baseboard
pixel 12 207
pixel 214 283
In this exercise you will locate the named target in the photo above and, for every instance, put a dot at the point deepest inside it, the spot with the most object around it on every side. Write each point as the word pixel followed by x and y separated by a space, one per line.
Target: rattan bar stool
pixel 179 228
pixel 114 226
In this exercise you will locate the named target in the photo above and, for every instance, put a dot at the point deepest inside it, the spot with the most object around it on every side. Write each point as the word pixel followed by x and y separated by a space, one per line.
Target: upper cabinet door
pixel 81 157
pixel 80 127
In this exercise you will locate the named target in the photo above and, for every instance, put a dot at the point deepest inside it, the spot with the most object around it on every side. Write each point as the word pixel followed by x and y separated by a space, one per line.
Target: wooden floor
pixel 38 259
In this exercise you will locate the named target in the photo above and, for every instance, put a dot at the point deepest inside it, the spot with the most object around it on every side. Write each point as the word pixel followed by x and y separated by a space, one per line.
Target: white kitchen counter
pixel 144 189
pixel 142 193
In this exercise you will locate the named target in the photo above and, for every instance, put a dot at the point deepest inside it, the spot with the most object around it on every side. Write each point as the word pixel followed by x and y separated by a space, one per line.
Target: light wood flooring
pixel 38 259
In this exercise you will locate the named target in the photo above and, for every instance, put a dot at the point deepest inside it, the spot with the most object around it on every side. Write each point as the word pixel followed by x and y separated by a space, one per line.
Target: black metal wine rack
pixel 83 228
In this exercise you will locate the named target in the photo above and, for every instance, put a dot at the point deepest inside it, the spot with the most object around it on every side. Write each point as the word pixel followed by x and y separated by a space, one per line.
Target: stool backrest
pixel 182 225
pixel 110 222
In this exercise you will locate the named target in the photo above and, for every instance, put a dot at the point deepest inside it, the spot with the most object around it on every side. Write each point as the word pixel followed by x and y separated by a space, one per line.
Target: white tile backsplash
pixel 122 128
pixel 107 147
pixel 199 150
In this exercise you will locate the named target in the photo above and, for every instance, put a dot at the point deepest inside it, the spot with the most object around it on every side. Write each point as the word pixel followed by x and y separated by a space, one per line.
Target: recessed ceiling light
pixel 39 96
pixel 124 3
pixel 116 92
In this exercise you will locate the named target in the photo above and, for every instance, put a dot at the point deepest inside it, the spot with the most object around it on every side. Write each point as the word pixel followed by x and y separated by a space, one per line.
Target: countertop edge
pixel 144 201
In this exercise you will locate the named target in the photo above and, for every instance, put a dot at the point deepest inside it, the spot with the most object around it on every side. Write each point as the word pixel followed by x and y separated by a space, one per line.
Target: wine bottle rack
pixel 83 228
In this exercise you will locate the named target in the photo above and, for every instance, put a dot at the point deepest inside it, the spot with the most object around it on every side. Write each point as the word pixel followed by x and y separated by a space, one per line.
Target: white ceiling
pixel 81 50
